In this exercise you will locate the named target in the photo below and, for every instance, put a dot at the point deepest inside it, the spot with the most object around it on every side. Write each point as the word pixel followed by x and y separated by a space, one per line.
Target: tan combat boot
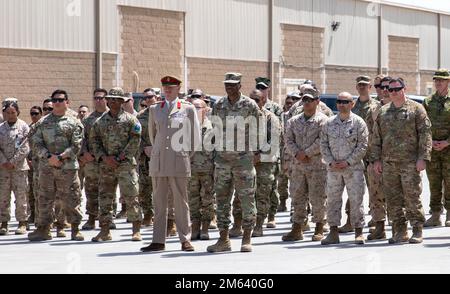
pixel 104 234
pixel 75 233
pixel 236 230
pixel 204 235
pixel 258 230
pixel 359 238
pixel 246 245
pixel 171 229
pixel 401 233
pixel 332 238
pixel 4 229
pixel 22 229
pixel 347 228
pixel 271 224
pixel 60 233
pixel 434 220
pixel 295 234
pixel 195 229
pixel 447 219
pixel 136 232
pixel 90 224
pixel 147 221
pixel 222 245
pixel 417 235
pixel 42 233
pixel 318 233
pixel 379 233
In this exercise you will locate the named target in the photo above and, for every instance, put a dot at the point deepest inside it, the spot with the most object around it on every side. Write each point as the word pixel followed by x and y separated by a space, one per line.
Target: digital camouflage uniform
pixel 345 141
pixel 438 170
pixel 14 149
pixel 56 135
pixel 145 181
pixel 116 136
pixel 91 169
pixel 201 185
pixel 401 137
pixel 234 169
pixel 309 179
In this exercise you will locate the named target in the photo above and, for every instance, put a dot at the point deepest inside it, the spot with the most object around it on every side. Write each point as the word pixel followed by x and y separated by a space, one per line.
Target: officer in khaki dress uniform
pixel 169 121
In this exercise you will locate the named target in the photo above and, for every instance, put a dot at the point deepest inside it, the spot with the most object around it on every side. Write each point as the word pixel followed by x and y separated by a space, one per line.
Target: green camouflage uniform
pixel 56 135
pixel 145 181
pixel 201 185
pixel 234 169
pixel 116 136
pixel 438 170
pixel 401 137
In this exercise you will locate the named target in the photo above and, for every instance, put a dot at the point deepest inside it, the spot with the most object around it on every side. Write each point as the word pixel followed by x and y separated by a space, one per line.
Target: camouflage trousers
pixel 402 187
pixel 145 189
pixel 170 205
pixel 30 199
pixel 274 195
pixel 17 182
pixel 62 184
pixel 355 183
pixel 91 186
pixel 283 186
pixel 241 180
pixel 201 197
pixel 377 203
pixel 309 186
pixel 438 172
pixel 265 177
pixel 126 178
pixel 81 175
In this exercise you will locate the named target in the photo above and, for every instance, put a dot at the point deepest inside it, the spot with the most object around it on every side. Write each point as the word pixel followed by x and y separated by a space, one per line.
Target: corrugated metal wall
pixel 445 59
pixel 343 47
pixel 415 24
pixel 47 24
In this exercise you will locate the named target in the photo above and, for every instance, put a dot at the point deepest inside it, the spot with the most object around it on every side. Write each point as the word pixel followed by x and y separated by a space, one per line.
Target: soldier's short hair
pixel 48 100
pixel 60 92
pixel 11 104
pixel 100 90
pixel 398 80
pixel 38 108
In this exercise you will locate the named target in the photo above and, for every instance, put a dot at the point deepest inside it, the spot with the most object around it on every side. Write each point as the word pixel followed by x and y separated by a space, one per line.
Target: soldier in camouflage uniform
pixel 57 142
pixel 343 146
pixel 264 85
pixel 33 163
pixel 308 170
pixel 14 149
pixel 438 170
pixel 297 108
pixel 114 140
pixel 89 162
pixel 234 168
pixel 145 149
pixel 364 104
pixel 201 185
pixel 401 147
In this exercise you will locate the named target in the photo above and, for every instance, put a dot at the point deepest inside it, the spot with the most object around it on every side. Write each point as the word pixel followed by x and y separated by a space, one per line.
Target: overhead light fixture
pixel 335 25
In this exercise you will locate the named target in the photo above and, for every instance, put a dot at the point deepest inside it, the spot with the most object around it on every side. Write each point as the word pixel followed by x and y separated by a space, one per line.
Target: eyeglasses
pixel 47 108
pixel 196 97
pixel 34 113
pixel 345 102
pixel 149 97
pixel 377 86
pixel 395 89
pixel 308 100
pixel 99 98
pixel 384 87
pixel 58 100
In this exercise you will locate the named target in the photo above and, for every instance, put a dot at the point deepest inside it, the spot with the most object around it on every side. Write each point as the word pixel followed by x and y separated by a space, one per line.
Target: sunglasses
pixel 395 89
pixel 47 108
pixel 345 102
pixel 261 87
pixel 99 98
pixel 58 100
pixel 34 113
pixel 377 86
pixel 308 100
pixel 196 97
pixel 384 87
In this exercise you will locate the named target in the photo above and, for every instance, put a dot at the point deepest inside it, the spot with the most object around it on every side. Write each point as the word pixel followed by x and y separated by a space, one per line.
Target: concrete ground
pixel 270 255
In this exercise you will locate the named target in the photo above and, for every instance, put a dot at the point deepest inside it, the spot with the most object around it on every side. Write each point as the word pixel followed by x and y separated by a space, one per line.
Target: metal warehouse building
pixel 80 44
